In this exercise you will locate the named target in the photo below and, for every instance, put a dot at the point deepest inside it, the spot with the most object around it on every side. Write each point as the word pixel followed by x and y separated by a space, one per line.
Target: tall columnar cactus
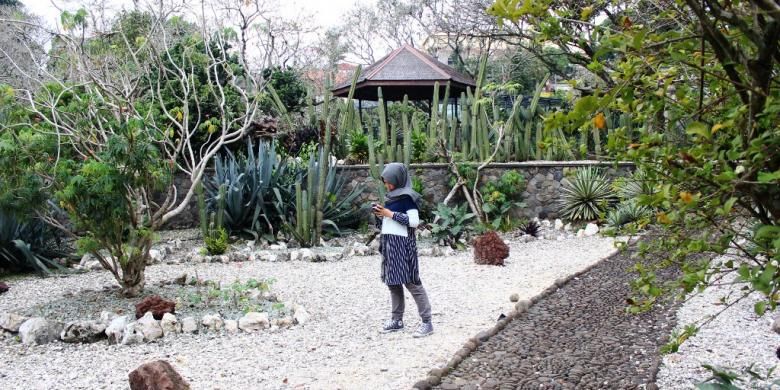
pixel 433 128
pixel 375 165
pixel 324 165
pixel 383 122
pixel 407 133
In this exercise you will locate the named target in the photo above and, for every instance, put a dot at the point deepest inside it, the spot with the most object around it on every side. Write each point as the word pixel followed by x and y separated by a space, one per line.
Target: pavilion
pixel 406 71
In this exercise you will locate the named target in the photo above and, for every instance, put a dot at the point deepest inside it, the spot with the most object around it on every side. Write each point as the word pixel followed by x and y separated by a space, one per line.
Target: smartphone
pixel 374 206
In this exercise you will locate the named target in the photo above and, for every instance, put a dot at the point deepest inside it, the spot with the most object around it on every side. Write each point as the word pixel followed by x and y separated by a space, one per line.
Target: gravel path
pixel 579 336
pixel 338 348
pixel 735 340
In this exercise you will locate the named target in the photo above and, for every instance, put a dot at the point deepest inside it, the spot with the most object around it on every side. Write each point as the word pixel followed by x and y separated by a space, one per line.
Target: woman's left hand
pixel 380 211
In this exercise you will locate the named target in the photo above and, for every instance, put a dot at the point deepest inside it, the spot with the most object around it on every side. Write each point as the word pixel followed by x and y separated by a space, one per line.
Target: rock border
pixel 120 329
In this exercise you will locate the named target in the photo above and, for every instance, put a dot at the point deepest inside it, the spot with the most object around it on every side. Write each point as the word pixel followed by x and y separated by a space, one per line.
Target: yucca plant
pixel 23 246
pixel 634 187
pixel 586 196
pixel 628 212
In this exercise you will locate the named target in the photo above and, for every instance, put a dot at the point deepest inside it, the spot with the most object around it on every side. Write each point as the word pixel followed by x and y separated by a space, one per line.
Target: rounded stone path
pixel 579 336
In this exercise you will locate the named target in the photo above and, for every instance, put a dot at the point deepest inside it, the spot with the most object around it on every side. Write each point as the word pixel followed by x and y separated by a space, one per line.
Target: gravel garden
pixel 196 195
pixel 337 346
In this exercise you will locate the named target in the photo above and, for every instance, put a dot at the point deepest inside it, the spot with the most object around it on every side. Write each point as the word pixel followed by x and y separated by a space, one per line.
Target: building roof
pixel 406 71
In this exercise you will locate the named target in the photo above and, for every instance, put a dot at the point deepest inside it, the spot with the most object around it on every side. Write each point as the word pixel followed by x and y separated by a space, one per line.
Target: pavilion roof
pixel 406 71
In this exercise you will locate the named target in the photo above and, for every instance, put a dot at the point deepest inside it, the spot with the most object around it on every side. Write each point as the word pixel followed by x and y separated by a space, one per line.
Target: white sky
pixel 325 13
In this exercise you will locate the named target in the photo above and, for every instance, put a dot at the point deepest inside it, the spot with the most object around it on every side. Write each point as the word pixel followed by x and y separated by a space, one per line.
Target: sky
pixel 324 12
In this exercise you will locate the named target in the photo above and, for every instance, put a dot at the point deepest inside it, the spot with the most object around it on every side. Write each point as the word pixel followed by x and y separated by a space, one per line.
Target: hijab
pixel 397 175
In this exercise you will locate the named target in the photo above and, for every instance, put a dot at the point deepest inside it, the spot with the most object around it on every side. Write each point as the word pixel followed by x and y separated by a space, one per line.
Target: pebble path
pixel 579 336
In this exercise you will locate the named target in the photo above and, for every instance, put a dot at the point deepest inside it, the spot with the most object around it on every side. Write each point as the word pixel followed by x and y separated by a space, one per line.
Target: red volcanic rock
pixel 157 375
pixel 490 249
pixel 156 305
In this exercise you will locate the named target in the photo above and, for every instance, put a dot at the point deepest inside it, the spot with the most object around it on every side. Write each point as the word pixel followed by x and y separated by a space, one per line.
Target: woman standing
pixel 400 217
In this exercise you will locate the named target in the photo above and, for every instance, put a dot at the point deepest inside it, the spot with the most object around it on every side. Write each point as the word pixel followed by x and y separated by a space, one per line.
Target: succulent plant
pixel 490 249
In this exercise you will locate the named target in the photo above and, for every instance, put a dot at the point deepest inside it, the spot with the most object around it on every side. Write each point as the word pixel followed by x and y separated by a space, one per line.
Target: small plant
pixel 420 146
pixel 530 228
pixel 452 223
pixel 501 197
pixel 628 212
pixel 216 241
pixel 678 338
pixel 358 146
pixel 586 196
pixel 214 234
pixel 722 379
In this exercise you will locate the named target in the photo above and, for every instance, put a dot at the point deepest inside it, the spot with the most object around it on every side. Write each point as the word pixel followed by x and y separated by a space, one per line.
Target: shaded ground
pixel 580 336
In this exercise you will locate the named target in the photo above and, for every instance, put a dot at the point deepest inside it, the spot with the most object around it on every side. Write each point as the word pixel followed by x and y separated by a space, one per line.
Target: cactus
pixel 382 120
pixel 407 134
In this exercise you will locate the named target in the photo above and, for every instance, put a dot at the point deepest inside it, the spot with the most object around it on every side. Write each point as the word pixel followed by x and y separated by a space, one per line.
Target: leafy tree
pixel 699 82
pixel 289 87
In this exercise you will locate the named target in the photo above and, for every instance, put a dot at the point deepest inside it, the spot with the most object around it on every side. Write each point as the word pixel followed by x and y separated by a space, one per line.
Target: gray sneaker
pixel 424 329
pixel 392 326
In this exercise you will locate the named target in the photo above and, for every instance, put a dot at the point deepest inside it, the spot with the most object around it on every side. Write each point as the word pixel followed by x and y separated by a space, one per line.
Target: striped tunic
pixel 399 244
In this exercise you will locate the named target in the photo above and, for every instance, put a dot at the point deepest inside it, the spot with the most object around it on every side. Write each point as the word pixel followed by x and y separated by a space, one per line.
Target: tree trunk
pixel 133 276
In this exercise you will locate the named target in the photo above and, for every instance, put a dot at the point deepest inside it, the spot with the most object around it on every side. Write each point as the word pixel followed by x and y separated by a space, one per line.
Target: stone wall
pixel 542 181
pixel 541 193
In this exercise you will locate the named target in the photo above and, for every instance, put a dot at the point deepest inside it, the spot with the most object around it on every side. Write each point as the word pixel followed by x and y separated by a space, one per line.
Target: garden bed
pixel 338 347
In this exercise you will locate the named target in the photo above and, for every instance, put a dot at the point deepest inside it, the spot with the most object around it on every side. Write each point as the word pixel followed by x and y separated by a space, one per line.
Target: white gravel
pixel 338 348
pixel 735 340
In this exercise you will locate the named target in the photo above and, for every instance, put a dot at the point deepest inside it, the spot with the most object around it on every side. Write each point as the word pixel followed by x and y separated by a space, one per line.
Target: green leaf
pixel 699 129
pixel 760 308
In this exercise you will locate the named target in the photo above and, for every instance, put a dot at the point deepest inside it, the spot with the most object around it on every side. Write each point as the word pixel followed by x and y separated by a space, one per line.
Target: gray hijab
pixel 397 175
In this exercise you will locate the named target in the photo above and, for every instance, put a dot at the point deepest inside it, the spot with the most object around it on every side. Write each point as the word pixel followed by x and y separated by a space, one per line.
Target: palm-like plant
pixel 586 196
pixel 627 212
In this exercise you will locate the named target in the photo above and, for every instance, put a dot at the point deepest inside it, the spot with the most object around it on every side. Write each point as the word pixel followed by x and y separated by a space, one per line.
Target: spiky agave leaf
pixel 586 196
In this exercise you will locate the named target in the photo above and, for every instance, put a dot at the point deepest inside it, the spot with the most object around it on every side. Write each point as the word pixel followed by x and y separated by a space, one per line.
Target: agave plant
pixel 586 196
pixel 23 245
pixel 248 184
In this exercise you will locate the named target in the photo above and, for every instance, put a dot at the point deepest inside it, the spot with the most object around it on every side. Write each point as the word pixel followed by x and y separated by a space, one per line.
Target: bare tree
pixel 143 92
pixel 21 46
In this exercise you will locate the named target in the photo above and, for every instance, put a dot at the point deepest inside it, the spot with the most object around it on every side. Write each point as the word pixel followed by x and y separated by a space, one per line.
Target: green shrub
pixel 358 146
pixel 216 241
pixel 586 196
pixel 453 223
pixel 628 212
pixel 420 147
pixel 23 245
pixel 501 197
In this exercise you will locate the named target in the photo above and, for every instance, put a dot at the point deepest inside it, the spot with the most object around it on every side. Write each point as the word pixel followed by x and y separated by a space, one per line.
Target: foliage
pixel 586 196
pixel 358 146
pixel 501 197
pixel 24 245
pixel 248 181
pixel 234 298
pixel 722 379
pixel 288 86
pixel 678 338
pixel 530 228
pixel 115 117
pixel 700 81
pixel 628 211
pixel 420 146
pixel 216 240
pixel 452 224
